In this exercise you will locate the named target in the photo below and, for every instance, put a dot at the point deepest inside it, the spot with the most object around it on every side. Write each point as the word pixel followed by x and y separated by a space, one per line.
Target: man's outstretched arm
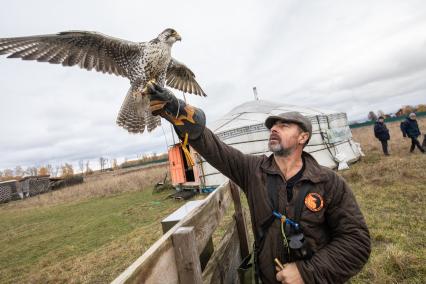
pixel 191 121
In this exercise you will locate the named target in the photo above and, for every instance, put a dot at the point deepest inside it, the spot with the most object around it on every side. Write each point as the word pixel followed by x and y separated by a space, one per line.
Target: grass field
pixel 391 192
pixel 91 232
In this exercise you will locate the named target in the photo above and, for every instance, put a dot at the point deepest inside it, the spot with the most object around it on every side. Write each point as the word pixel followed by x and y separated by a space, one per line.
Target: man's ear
pixel 303 137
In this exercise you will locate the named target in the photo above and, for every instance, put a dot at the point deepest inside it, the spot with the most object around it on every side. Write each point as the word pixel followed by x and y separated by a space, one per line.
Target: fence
pixel 174 258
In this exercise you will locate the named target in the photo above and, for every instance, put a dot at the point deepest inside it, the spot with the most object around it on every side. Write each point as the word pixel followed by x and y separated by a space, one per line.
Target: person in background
pixel 382 133
pixel 410 128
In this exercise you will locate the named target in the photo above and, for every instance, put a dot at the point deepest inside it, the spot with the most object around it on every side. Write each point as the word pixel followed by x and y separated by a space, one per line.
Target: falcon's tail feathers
pixel 133 113
pixel 152 121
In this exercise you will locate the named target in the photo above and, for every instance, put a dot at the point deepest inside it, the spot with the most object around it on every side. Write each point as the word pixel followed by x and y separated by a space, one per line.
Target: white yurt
pixel 243 128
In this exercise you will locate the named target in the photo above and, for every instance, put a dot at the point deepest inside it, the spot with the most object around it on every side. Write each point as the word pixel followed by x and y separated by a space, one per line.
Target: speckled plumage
pixel 139 62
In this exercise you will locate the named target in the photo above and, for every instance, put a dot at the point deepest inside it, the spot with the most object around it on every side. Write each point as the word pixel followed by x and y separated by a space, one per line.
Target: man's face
pixel 413 116
pixel 285 137
pixel 381 120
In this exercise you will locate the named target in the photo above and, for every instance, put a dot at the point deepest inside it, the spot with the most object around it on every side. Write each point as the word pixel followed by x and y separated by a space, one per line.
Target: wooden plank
pixel 222 267
pixel 240 220
pixel 157 264
pixel 186 256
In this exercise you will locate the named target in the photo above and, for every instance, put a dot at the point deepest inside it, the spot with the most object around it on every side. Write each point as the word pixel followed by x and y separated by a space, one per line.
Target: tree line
pixel 403 111
pixel 84 168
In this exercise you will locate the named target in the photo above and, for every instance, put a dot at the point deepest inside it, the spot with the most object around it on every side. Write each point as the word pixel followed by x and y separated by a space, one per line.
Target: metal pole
pixel 173 136
pixel 255 93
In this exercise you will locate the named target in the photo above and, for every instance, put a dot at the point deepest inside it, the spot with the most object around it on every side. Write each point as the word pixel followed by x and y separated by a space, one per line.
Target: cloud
pixel 351 56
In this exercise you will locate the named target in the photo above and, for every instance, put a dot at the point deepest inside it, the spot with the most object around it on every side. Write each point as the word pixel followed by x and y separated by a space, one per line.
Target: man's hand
pixel 186 119
pixel 161 100
pixel 289 275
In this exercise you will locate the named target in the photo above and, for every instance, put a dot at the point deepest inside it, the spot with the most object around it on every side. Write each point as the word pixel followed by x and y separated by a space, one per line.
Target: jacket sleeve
pixel 376 131
pixel 229 161
pixel 349 246
pixel 403 130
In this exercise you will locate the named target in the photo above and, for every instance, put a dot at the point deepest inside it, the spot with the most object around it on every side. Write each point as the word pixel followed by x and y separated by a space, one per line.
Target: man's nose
pixel 274 128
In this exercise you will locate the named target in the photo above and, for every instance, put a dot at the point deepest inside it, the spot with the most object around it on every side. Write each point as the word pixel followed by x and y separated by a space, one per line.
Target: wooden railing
pixel 174 258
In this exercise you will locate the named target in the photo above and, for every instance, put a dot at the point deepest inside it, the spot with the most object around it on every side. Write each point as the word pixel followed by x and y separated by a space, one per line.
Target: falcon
pixel 140 62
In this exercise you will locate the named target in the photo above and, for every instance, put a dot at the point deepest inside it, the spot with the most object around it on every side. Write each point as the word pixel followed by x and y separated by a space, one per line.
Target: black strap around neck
pixel 272 182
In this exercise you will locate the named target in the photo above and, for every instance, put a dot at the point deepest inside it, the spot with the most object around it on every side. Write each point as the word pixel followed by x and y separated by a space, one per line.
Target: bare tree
pixel 81 165
pixel 55 171
pixel 8 173
pixel 88 169
pixel 114 164
pixel 372 116
pixel 31 171
pixel 67 170
pixel 19 171
pixel 49 169
pixel 102 162
pixel 381 113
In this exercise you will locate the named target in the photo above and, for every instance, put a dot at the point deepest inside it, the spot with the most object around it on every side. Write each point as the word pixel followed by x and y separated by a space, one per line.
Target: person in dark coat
pixel 382 133
pixel 289 184
pixel 411 129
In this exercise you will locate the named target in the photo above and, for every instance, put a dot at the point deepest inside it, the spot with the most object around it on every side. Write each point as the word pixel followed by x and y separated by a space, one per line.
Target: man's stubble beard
pixel 278 150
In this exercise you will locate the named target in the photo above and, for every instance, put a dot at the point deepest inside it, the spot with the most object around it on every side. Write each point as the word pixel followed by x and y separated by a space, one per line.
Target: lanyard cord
pixel 188 156
pixel 284 236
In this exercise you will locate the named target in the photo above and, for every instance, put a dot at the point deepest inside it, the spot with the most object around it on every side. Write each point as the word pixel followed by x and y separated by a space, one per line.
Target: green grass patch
pixel 35 239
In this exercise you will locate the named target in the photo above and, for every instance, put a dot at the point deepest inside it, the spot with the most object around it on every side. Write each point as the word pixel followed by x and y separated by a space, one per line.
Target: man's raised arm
pixel 190 121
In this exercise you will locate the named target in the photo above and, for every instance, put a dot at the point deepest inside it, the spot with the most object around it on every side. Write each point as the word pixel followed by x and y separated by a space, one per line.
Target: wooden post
pixel 186 255
pixel 239 218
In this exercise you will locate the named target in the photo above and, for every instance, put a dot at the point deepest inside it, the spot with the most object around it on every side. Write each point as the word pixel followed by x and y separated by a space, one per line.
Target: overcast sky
pixel 351 56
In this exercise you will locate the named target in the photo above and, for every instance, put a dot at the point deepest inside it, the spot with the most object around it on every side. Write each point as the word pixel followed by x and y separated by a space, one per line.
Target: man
pixel 382 133
pixel 333 243
pixel 411 129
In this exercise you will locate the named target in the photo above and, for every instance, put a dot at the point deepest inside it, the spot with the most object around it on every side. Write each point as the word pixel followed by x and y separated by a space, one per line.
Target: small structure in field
pixel 182 173
pixel 33 185
pixel 59 182
pixel 10 190
pixel 6 191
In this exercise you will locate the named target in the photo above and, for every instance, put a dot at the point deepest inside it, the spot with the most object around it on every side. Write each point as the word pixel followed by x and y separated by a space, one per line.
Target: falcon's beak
pixel 177 37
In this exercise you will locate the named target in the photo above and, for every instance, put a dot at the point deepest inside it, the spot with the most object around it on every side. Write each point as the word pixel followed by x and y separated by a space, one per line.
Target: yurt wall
pixel 243 128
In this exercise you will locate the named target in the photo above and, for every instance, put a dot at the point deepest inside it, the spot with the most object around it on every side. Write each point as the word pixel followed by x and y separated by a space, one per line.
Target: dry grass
pixel 102 185
pixel 391 193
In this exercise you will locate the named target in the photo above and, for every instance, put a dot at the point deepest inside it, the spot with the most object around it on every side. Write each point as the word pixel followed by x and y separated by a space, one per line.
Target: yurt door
pixel 177 167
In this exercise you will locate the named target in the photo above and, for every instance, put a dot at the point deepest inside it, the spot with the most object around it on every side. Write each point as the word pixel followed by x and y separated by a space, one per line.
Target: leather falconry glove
pixel 185 118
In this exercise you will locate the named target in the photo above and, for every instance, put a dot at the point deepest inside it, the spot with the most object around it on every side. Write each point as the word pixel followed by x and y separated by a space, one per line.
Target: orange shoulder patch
pixel 314 202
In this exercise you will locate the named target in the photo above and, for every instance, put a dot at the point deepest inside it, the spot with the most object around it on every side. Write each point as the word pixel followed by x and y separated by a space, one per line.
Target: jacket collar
pixel 313 171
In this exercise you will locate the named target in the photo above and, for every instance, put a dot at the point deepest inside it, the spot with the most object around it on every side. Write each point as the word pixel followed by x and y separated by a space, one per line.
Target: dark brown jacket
pixel 337 233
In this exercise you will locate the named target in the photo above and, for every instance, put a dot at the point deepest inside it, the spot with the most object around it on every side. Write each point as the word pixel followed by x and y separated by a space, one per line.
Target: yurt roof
pixel 256 111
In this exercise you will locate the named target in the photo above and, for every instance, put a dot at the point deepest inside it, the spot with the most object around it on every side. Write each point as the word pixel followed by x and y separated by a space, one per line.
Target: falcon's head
pixel 169 35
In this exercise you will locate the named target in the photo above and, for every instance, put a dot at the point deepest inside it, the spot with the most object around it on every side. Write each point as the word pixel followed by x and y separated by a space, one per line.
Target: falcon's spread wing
pixel 182 78
pixel 90 50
